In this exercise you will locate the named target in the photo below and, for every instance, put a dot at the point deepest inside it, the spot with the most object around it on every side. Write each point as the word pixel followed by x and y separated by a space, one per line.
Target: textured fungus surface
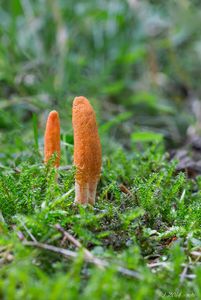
pixel 52 138
pixel 87 151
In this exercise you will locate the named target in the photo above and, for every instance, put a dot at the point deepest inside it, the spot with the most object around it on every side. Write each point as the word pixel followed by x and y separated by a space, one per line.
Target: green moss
pixel 155 222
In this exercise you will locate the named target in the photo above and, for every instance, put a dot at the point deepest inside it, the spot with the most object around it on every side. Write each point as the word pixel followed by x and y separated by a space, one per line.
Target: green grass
pixel 157 222
pixel 142 58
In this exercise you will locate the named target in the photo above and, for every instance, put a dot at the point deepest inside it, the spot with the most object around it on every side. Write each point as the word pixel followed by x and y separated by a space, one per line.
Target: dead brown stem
pixel 92 259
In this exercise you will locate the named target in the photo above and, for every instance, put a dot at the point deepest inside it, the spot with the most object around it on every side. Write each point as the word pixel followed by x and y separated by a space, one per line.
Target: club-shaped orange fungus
pixel 52 138
pixel 87 151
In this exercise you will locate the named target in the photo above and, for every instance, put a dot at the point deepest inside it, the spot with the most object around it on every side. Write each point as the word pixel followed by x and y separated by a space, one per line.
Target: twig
pixel 72 255
pixel 20 235
pixel 75 242
pixel 90 257
pixel 67 253
pixel 124 189
pixel 196 254
pixel 157 264
pixel 28 231
pixel 183 274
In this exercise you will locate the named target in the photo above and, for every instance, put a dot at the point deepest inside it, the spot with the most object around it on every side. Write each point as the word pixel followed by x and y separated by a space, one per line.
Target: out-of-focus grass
pixel 131 55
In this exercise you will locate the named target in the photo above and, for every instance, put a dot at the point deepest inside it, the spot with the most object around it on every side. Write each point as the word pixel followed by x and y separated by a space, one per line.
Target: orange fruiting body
pixel 87 151
pixel 52 138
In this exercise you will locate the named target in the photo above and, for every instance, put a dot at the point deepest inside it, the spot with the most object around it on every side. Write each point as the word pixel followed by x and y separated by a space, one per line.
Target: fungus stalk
pixel 87 151
pixel 52 138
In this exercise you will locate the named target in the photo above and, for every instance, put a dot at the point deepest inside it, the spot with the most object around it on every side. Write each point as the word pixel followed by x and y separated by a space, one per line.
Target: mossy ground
pixel 147 218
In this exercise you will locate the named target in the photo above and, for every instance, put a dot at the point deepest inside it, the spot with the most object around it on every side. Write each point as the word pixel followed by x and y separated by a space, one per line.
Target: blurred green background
pixel 138 62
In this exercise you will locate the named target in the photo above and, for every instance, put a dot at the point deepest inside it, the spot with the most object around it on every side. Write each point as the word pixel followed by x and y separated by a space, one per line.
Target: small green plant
pixel 143 221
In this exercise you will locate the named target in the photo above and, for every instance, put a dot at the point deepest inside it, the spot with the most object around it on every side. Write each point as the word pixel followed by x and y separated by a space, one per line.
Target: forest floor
pixel 141 240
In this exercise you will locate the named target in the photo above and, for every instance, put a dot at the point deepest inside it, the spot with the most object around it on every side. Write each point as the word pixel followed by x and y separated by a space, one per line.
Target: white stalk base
pixel 85 193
